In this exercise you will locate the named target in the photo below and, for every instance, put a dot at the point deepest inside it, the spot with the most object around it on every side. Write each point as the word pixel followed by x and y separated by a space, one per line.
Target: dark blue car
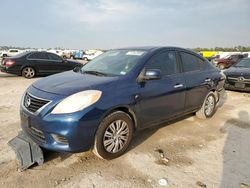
pixel 238 76
pixel 100 105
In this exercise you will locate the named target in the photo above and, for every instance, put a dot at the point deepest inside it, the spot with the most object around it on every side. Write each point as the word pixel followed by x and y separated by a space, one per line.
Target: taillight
pixel 9 63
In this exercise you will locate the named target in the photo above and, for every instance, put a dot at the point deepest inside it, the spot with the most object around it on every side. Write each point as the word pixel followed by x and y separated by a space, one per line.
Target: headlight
pixel 77 102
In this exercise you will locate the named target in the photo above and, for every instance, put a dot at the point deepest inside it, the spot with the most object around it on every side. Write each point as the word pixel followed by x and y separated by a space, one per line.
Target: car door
pixel 163 98
pixel 39 60
pixel 57 64
pixel 197 79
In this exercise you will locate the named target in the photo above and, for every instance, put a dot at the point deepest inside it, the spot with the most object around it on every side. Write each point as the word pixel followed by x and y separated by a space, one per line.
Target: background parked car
pixel 229 60
pixel 31 64
pixel 238 76
pixel 78 54
pixel 11 52
pixel 91 56
pixel 67 55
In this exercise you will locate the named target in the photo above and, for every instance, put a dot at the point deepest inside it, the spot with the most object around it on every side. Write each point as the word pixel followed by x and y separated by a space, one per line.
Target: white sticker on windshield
pixel 137 53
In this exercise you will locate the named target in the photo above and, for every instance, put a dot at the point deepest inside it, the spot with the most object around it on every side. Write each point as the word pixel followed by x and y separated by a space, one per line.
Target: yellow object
pixel 208 53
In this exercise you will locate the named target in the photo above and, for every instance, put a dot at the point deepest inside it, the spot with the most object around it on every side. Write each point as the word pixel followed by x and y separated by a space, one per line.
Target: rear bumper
pixel 10 70
pixel 3 69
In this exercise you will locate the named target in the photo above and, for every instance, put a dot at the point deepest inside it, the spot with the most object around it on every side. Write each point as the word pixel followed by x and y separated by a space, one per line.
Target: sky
pixel 105 24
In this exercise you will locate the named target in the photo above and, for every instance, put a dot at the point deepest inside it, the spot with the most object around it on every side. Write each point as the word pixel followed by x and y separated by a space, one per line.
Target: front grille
pixel 37 134
pixel 237 82
pixel 33 103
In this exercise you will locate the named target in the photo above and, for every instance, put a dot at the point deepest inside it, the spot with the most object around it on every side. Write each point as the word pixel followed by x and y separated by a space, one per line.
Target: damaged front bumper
pixel 27 151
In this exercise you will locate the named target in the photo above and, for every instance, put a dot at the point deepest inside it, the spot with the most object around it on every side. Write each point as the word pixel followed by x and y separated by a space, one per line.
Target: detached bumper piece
pixel 27 151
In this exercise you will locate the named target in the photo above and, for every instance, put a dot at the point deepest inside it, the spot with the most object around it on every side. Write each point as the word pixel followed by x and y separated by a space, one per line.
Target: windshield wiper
pixel 95 73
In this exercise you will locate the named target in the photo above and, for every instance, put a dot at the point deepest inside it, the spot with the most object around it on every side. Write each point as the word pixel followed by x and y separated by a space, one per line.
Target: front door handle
pixel 208 80
pixel 178 86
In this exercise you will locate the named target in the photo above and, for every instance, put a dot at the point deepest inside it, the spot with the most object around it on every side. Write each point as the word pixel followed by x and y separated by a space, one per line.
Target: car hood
pixel 71 82
pixel 238 71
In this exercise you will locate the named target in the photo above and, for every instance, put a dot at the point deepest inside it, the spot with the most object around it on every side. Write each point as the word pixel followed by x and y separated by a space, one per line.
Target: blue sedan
pixel 99 106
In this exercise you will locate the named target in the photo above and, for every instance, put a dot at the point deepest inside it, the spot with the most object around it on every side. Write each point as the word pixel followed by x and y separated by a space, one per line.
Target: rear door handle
pixel 178 86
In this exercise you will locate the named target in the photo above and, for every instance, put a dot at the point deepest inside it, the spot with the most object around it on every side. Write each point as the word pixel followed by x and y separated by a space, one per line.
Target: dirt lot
pixel 212 153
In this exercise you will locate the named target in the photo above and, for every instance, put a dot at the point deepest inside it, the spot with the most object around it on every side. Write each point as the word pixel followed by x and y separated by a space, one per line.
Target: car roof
pixel 153 48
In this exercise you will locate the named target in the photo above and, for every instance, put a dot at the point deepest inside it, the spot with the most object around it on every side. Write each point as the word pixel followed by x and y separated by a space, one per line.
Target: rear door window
pixel 165 62
pixel 191 62
pixel 38 55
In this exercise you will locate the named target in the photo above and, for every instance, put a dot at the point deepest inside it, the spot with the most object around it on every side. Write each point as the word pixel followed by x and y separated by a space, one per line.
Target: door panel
pixel 40 61
pixel 197 80
pixel 163 98
pixel 56 63
pixel 197 89
pixel 160 100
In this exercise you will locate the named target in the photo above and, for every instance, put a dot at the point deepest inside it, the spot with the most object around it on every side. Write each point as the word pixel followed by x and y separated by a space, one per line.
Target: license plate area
pixel 240 85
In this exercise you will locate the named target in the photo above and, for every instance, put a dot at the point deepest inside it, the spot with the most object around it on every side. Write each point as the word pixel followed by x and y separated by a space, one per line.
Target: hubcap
pixel 29 72
pixel 209 105
pixel 116 136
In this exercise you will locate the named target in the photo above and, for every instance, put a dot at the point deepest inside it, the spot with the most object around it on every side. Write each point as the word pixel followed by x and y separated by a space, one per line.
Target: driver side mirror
pixel 150 74
pixel 64 61
pixel 77 68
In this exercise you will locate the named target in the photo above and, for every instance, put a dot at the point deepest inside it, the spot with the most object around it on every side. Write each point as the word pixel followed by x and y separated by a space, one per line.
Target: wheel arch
pixel 126 109
pixel 25 66
pixel 216 94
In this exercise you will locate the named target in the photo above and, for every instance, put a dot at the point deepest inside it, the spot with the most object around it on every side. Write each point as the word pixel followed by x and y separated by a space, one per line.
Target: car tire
pixel 113 135
pixel 208 107
pixel 222 66
pixel 85 59
pixel 28 72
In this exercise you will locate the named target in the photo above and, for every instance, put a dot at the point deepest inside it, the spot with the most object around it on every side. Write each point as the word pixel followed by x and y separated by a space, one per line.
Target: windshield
pixel 244 63
pixel 114 62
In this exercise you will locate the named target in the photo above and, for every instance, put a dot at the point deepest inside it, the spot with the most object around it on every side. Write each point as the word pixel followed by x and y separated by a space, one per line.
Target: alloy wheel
pixel 28 72
pixel 116 136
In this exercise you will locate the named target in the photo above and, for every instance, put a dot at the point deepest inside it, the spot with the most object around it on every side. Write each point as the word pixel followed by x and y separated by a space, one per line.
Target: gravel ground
pixel 199 153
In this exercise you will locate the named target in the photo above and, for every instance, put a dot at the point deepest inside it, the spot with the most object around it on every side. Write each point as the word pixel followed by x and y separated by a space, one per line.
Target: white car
pixel 11 52
pixel 57 52
pixel 91 56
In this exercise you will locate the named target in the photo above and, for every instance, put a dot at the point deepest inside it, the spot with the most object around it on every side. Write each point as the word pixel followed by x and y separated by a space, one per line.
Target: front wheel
pixel 208 108
pixel 113 135
pixel 28 72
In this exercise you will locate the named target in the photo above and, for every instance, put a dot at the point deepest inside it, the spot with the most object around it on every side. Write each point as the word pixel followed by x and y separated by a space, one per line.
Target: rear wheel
pixel 113 135
pixel 208 108
pixel 85 59
pixel 28 72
